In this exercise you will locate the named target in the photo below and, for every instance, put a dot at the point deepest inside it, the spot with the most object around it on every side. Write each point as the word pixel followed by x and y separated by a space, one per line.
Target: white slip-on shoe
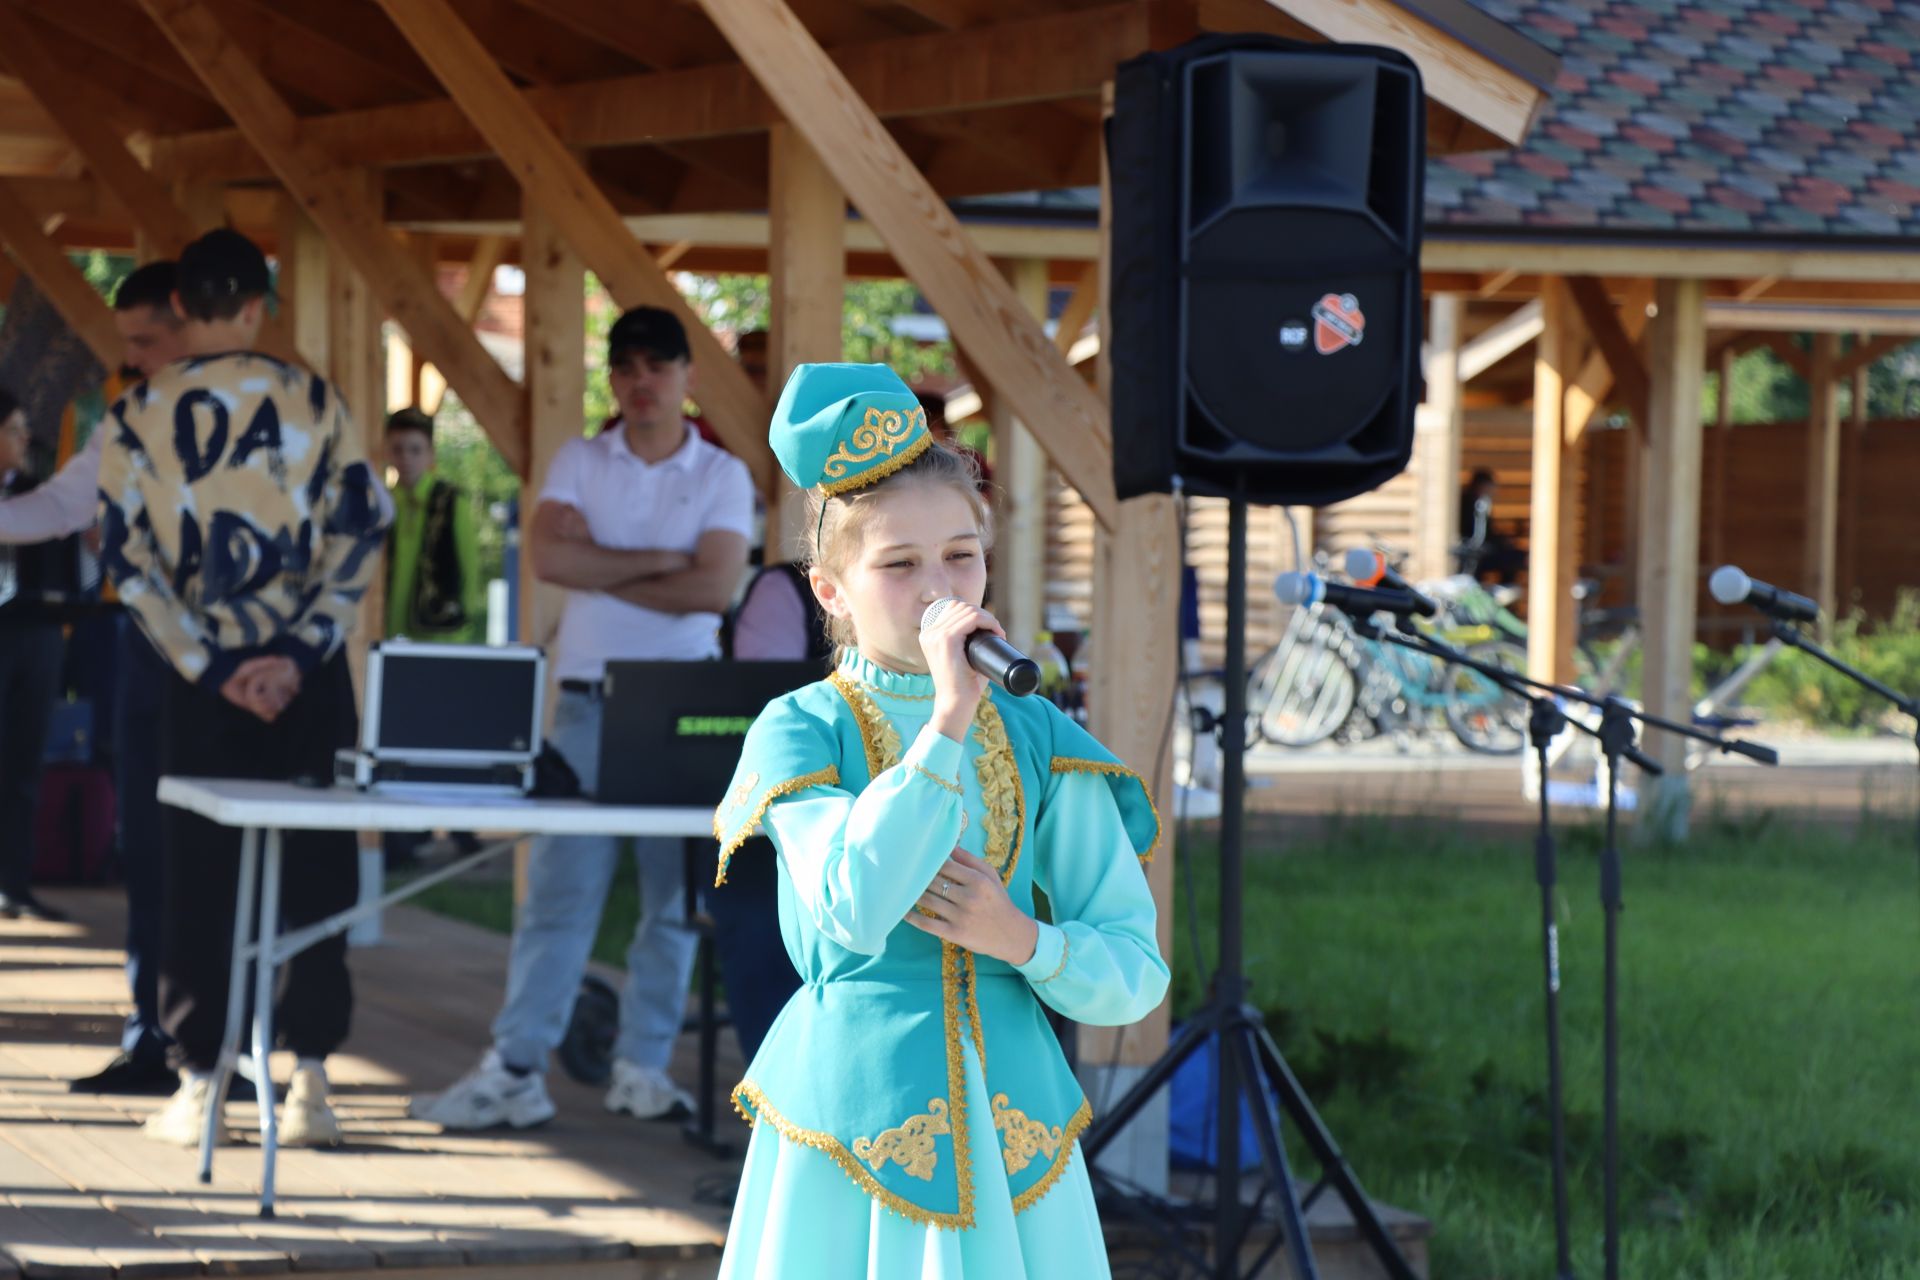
pixel 181 1122
pixel 646 1092
pixel 306 1120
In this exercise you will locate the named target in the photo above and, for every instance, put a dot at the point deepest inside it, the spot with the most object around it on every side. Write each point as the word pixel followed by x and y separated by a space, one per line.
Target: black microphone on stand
pixel 991 656
pixel 1310 589
pixel 1370 569
pixel 1731 586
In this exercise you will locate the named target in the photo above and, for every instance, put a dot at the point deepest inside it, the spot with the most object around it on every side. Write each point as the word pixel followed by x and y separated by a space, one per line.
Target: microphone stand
pixel 1790 634
pixel 1544 723
pixel 1616 736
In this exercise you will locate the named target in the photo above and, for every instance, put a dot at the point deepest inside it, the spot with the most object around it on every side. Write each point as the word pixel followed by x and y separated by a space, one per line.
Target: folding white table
pixel 263 810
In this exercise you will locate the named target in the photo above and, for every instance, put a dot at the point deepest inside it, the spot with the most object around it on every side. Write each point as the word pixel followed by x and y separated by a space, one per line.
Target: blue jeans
pixel 567 879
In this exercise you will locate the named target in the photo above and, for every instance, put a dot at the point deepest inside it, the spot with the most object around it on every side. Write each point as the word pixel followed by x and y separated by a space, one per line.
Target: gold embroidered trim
pixel 1066 950
pixel 1022 1138
pixel 1068 1136
pixel 831 1147
pixel 877 734
pixel 957 1076
pixel 1074 764
pixel 821 777
pixel 910 1145
pixel 895 694
pixel 973 1014
pixel 1001 788
pixel 938 780
pixel 882 431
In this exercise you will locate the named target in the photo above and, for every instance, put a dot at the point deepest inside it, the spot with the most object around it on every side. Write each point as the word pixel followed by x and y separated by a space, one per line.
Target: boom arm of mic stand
pixel 1512 681
pixel 1792 635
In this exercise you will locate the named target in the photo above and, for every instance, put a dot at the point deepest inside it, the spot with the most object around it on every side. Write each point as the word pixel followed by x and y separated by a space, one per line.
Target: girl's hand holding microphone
pixel 957 687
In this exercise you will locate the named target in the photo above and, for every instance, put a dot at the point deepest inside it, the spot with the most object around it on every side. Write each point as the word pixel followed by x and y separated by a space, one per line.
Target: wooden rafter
pixel 539 51
pixel 396 279
pixel 1060 55
pixel 671 36
pixel 555 179
pixel 1081 304
pixel 78 302
pixel 358 27
pixel 1593 385
pixel 979 306
pixel 1623 357
pixel 1866 352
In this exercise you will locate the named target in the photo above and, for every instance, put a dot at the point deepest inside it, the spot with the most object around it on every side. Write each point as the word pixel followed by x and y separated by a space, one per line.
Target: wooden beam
pixel 1821 545
pixel 1038 59
pixel 556 350
pixel 556 179
pixel 1080 307
pixel 488 253
pixel 1454 72
pixel 1867 352
pixel 331 199
pixel 671 36
pixel 1713 515
pixel 1019 583
pixel 1531 255
pixel 1670 537
pixel 1550 633
pixel 1499 340
pixel 78 302
pixel 807 277
pixel 303 283
pixel 76 111
pixel 980 308
pixel 1593 386
pixel 358 367
pixel 1782 345
pixel 1622 356
pixel 1136 609
pixel 1781 318
pixel 535 49
pixel 1438 430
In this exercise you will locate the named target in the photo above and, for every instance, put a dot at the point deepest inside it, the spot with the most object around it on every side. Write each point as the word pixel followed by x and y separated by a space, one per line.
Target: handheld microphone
pixel 1731 586
pixel 1310 589
pixel 991 656
pixel 1369 569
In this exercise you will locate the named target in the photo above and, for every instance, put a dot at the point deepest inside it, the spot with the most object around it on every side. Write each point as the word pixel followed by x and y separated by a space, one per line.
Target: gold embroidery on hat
pixel 911 1145
pixel 881 431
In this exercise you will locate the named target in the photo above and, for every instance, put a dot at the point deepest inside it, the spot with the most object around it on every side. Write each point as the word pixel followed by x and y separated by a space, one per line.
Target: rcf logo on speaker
pixel 1337 323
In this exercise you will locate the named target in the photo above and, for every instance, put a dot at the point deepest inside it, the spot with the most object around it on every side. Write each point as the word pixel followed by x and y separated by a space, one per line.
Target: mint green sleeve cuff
pixel 937 756
pixel 1049 956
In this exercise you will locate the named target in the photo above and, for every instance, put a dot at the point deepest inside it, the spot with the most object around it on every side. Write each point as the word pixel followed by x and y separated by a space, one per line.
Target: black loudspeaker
pixel 1266 210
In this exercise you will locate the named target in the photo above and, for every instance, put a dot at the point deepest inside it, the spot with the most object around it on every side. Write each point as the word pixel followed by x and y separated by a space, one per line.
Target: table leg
pixel 243 932
pixel 263 974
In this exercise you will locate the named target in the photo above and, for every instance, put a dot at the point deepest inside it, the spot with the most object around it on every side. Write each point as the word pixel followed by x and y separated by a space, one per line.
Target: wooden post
pixel 1823 477
pixel 1136 604
pixel 357 362
pixel 1670 537
pixel 426 249
pixel 1020 473
pixel 1715 514
pixel 1852 447
pixel 807 278
pixel 556 338
pixel 1550 621
pixel 1438 430
pixel 303 285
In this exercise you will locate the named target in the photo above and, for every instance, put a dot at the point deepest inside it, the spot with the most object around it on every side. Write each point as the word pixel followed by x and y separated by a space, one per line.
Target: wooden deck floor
pixel 83 1194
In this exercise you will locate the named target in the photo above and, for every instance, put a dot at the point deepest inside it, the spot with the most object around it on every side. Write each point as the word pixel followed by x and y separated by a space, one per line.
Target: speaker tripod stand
pixel 1248 1057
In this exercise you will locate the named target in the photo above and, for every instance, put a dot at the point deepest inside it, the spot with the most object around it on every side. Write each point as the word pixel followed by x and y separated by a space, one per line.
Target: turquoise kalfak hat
pixel 843 426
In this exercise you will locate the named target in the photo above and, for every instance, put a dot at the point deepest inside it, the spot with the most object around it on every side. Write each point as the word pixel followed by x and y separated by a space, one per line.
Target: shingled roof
pixel 1721 119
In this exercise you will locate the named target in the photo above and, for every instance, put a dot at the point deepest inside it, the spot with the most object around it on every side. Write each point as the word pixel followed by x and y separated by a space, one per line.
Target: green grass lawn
pixel 1770 987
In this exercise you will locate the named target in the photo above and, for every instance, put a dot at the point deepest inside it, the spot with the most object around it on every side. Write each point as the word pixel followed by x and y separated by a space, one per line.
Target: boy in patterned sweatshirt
pixel 241 526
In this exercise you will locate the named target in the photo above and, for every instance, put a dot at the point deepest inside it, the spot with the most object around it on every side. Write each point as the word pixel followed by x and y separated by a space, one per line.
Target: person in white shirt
pixel 647 527
pixel 152 336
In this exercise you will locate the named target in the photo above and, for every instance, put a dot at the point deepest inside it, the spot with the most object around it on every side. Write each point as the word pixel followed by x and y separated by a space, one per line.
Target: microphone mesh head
pixel 1365 566
pixel 935 611
pixel 1729 585
pixel 1295 588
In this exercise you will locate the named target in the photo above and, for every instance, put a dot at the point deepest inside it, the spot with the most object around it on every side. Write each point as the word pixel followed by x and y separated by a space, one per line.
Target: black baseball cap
pixel 651 330
pixel 220 265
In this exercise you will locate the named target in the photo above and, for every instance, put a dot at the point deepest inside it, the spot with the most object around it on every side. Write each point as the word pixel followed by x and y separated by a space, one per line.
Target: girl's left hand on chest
pixel 967 905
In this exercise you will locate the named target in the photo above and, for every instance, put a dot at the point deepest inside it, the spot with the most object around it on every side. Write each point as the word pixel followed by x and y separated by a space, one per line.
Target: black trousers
pixel 204 735
pixel 142 677
pixel 30 657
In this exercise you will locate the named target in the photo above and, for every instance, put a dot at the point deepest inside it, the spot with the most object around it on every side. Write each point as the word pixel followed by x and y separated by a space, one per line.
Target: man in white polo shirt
pixel 647 527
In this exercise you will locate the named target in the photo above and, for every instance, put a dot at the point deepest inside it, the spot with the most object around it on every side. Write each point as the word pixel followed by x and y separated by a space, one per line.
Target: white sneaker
pixel 307 1120
pixel 647 1092
pixel 487 1097
pixel 181 1122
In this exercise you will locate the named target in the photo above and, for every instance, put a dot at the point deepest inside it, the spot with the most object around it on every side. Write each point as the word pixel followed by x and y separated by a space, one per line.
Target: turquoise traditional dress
pixel 912 1112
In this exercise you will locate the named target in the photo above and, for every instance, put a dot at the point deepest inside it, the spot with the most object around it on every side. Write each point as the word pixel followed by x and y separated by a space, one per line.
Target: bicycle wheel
pixel 1306 691
pixel 1484 716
